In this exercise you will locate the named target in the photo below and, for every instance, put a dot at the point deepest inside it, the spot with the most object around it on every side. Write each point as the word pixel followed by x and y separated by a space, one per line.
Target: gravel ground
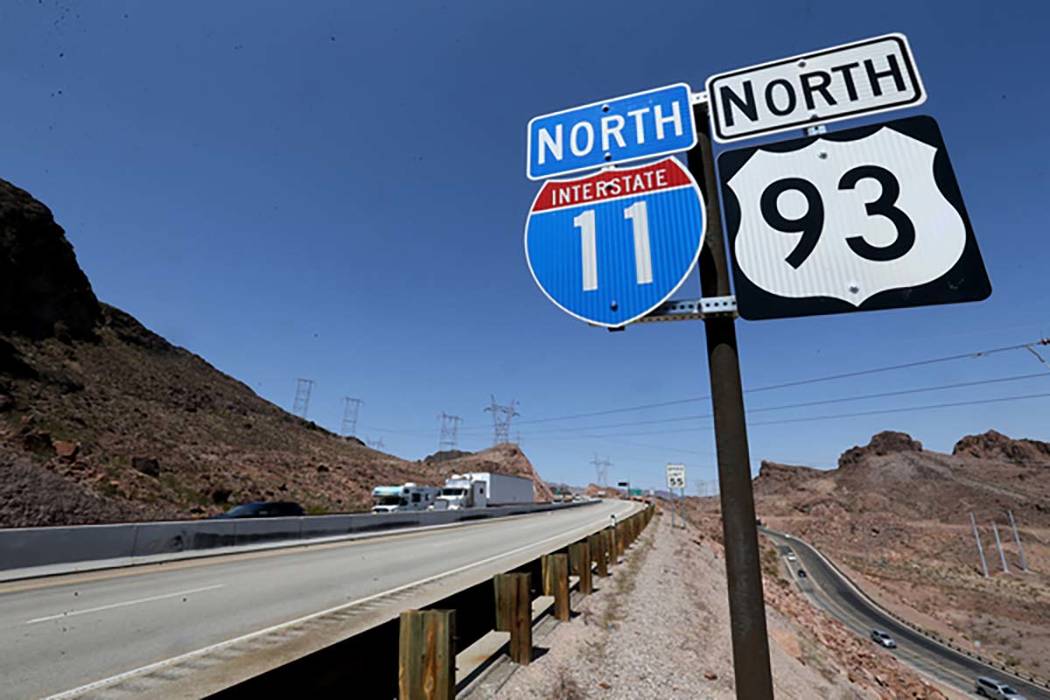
pixel 659 628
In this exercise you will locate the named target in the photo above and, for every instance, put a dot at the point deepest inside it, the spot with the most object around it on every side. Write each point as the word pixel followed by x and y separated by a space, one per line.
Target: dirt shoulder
pixel 659 628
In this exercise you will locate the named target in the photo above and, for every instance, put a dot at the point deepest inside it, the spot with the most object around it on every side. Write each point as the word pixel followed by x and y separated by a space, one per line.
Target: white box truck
pixel 485 489
pixel 390 499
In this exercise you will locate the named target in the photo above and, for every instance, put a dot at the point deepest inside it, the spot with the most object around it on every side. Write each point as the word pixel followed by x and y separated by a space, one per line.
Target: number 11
pixel 638 213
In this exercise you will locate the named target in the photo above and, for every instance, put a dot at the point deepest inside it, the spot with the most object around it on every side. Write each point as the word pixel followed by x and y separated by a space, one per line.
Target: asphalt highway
pixel 63 633
pixel 830 591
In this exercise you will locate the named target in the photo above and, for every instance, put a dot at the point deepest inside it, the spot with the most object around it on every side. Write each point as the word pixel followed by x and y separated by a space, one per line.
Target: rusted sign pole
pixel 747 613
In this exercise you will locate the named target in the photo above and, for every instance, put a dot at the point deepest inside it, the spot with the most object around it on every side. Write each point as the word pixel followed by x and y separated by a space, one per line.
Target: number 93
pixel 811 223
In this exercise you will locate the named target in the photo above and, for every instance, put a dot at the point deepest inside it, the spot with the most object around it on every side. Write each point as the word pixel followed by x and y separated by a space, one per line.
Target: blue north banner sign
pixel 643 125
pixel 609 248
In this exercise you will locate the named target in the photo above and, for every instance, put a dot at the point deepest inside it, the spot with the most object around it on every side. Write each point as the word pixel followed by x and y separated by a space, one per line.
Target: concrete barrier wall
pixel 57 549
pixel 26 547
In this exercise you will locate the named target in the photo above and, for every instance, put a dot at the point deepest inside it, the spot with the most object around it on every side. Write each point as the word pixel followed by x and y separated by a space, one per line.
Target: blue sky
pixel 337 191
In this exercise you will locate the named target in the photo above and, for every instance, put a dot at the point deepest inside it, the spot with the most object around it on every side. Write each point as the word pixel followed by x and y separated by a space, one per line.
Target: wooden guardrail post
pixel 598 551
pixel 427 655
pixel 580 564
pixel 609 534
pixel 556 583
pixel 514 614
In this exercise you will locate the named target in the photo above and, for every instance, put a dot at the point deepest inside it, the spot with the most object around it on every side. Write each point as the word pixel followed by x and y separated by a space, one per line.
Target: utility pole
pixel 501 418
pixel 980 547
pixel 999 544
pixel 1017 541
pixel 449 438
pixel 301 404
pixel 747 612
pixel 351 407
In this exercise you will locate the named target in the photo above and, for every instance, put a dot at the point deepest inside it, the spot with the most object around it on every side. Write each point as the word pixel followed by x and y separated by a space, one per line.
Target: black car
pixel 802 573
pixel 264 509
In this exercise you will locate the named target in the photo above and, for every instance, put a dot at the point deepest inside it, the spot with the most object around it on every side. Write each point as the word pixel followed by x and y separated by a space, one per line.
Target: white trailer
pixel 483 489
pixel 388 499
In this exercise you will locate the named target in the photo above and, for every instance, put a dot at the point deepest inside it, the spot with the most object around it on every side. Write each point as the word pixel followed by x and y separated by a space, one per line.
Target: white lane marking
pixel 71 613
pixel 73 692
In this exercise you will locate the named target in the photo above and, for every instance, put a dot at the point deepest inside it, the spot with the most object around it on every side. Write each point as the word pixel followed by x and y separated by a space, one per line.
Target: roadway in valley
pixel 120 626
pixel 833 593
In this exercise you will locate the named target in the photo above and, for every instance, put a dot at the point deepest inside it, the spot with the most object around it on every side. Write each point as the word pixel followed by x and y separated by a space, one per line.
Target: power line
pixel 902 409
pixel 906 365
pixel 662 404
pixel 927 407
pixel 805 404
pixel 813 380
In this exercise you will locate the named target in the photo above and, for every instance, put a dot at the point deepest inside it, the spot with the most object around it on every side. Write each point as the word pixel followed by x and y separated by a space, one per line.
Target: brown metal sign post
pixel 747 612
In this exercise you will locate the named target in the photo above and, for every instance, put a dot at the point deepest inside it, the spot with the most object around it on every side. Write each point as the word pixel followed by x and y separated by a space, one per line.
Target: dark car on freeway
pixel 264 509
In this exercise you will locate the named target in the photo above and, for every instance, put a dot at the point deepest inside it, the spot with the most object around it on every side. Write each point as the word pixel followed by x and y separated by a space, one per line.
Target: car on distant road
pixel 802 573
pixel 264 509
pixel 997 690
pixel 883 639
pixel 791 556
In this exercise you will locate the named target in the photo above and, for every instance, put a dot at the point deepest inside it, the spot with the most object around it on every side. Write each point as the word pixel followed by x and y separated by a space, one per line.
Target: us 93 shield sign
pixel 861 219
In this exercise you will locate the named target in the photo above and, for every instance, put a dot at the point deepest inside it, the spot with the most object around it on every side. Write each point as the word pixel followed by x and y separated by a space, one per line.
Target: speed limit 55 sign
pixel 856 220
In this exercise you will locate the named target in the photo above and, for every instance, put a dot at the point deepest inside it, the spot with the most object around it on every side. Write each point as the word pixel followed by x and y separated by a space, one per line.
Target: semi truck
pixel 389 499
pixel 484 489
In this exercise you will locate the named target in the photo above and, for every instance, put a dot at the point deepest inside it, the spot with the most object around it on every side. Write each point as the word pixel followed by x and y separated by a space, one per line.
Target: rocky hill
pixel 102 420
pixel 897 516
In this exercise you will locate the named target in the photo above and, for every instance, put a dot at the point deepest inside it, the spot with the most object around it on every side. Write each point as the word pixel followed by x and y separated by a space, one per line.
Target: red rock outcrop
pixel 995 445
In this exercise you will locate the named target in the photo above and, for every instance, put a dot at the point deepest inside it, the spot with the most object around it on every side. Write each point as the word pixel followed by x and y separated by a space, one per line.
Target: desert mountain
pixel 102 420
pixel 897 516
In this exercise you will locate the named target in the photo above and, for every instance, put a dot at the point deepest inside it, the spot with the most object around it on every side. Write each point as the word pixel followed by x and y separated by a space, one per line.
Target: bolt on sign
pixel 855 220
pixel 843 82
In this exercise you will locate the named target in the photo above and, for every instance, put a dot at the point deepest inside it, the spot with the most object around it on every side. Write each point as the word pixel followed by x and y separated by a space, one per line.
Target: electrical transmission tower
pixel 351 407
pixel 301 405
pixel 601 467
pixel 449 439
pixel 375 444
pixel 501 417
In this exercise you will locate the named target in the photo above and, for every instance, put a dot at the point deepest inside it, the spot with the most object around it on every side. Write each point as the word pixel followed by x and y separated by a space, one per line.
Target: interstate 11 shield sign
pixel 610 247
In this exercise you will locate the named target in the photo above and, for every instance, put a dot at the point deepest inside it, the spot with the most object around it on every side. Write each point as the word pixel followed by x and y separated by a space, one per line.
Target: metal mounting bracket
pixel 692 309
